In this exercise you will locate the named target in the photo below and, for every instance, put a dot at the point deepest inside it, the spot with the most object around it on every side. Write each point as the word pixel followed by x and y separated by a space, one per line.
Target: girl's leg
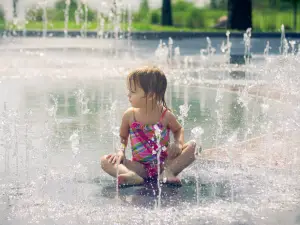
pixel 173 166
pixel 130 172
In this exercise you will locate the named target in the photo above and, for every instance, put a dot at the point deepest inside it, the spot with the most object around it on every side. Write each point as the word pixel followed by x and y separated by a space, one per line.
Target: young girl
pixel 148 123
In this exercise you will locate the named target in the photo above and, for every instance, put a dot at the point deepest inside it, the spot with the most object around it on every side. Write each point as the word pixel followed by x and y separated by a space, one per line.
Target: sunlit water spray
pixel 196 134
pixel 67 9
pixel 280 71
pixel 83 101
pixel 226 48
pixel 157 151
pixel 183 113
pixel 114 129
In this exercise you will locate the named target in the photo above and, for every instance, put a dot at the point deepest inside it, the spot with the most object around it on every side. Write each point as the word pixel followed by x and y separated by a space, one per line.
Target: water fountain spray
pixel 210 49
pixel 247 42
pixel 67 9
pixel 219 113
pixel 83 101
pixel 86 12
pixel 282 48
pixel 16 124
pixel 229 145
pixel 183 111
pixel 45 17
pixel 267 49
pixel 177 57
pixel 196 134
pixel 114 129
pixel 170 49
pixel 53 109
pixel 6 140
pixel 293 49
pixel 157 152
pixel 129 29
pixel 74 139
pixel 28 143
pixel 100 23
pixel 228 45
pixel 116 11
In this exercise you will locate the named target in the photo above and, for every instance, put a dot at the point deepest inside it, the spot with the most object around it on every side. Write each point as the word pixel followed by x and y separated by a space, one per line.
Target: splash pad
pixel 62 100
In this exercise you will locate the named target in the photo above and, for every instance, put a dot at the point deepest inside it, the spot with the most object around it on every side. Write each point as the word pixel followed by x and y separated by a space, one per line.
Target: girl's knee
pixel 192 145
pixel 103 161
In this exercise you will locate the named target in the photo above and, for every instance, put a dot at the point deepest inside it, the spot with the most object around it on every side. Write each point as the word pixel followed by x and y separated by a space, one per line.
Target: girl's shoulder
pixel 128 111
pixel 129 114
pixel 167 114
pixel 169 117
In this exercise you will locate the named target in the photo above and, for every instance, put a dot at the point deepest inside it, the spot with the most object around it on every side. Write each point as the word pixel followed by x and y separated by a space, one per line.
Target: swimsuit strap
pixel 160 119
pixel 162 115
pixel 133 115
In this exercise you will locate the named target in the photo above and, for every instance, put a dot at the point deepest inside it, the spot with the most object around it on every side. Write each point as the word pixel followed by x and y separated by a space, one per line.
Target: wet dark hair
pixel 152 80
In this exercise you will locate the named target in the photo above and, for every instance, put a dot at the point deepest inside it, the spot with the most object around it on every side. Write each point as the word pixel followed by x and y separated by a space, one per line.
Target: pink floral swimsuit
pixel 147 141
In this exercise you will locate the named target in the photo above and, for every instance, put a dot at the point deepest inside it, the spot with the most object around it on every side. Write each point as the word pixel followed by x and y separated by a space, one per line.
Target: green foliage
pixel 214 4
pixel 37 14
pixel 155 16
pixel 144 7
pixel 182 5
pixel 2 22
pixel 60 7
pixel 270 20
pixel 58 12
pixel 186 16
pixel 1 14
pixel 195 19
pixel 273 4
pixel 288 4
pixel 143 14
pixel 218 4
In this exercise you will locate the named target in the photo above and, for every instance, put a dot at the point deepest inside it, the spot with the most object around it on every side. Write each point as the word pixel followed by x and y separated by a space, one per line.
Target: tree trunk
pixel 213 4
pixel 295 7
pixel 239 14
pixel 166 18
pixel 15 3
pixel 273 3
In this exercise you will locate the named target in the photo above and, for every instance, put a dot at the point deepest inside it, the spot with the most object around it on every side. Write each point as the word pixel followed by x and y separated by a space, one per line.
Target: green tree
pixel 295 4
pixel 144 12
pixel 60 6
pixel 144 7
pixel 213 4
pixel 15 3
pixel 239 14
pixel 273 3
pixel 166 12
pixel 1 14
pixel 218 4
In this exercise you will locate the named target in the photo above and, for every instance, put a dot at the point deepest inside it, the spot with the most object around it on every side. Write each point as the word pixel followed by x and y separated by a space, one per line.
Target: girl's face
pixel 136 96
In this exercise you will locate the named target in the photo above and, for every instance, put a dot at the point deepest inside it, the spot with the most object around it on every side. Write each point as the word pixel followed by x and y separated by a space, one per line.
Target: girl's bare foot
pixel 169 178
pixel 130 178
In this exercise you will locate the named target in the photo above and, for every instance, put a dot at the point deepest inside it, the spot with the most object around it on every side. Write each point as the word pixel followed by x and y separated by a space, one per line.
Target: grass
pixel 92 26
pixel 2 24
pixel 270 20
pixel 266 20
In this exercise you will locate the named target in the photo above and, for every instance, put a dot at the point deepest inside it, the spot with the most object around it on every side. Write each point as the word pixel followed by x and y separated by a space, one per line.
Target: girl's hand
pixel 116 157
pixel 174 150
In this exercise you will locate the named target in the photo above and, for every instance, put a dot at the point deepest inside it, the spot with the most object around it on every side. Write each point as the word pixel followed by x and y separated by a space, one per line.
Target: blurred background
pixel 153 15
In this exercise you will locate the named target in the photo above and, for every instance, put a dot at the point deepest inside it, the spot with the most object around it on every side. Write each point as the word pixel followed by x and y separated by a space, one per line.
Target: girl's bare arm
pixel 176 128
pixel 124 128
